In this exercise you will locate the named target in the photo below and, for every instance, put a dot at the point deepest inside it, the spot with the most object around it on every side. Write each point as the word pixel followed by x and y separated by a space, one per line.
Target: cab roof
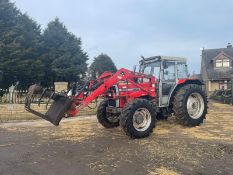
pixel 166 58
pixel 160 58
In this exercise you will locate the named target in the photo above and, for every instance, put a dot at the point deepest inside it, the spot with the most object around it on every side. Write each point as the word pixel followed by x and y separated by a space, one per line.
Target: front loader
pixel 134 100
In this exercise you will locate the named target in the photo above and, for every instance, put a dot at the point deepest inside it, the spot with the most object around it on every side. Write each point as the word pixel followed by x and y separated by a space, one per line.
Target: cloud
pixel 127 29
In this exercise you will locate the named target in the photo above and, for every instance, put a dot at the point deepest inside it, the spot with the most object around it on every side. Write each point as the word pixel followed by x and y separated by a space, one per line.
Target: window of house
pixel 223 63
pixel 218 63
pixel 226 63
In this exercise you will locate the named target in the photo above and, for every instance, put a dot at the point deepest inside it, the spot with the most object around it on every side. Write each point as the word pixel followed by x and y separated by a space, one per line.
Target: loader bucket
pixel 60 105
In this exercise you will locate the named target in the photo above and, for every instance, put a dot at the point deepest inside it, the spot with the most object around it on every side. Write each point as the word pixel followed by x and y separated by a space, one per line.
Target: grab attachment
pixel 60 105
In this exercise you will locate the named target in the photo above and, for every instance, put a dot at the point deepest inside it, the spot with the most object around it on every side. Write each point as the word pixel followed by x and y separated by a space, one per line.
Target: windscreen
pixel 152 69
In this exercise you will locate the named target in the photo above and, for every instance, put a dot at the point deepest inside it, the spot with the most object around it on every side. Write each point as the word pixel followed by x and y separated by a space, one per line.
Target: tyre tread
pixel 125 117
pixel 101 116
pixel 178 105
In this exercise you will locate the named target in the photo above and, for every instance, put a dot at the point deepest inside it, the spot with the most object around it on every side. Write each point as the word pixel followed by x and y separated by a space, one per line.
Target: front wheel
pixel 105 119
pixel 190 105
pixel 138 118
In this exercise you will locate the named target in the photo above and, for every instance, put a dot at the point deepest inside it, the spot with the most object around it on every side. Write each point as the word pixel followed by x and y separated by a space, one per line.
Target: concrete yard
pixel 81 146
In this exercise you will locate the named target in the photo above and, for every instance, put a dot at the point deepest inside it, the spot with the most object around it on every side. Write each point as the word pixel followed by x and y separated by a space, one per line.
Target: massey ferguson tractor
pixel 133 100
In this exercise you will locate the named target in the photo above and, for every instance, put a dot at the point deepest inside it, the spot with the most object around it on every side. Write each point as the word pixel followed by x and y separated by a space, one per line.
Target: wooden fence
pixel 15 97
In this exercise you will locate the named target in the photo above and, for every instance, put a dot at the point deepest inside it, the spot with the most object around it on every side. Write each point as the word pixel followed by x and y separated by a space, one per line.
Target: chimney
pixel 229 45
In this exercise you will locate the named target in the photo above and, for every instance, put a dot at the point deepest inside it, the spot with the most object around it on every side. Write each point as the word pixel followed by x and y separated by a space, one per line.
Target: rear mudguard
pixel 181 83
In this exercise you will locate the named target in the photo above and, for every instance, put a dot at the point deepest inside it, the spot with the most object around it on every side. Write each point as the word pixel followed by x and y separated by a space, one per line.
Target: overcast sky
pixel 127 29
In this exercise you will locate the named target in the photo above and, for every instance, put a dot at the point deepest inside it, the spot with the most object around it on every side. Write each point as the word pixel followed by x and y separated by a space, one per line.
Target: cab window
pixel 169 71
pixel 181 70
pixel 152 69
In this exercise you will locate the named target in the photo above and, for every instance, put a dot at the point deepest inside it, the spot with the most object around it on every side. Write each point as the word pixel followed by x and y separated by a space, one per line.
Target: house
pixel 216 68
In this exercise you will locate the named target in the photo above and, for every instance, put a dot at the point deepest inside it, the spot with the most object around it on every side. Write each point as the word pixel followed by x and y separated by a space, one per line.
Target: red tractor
pixel 133 100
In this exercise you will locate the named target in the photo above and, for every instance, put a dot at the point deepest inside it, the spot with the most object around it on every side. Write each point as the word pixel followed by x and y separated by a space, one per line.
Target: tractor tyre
pixel 190 105
pixel 104 118
pixel 138 118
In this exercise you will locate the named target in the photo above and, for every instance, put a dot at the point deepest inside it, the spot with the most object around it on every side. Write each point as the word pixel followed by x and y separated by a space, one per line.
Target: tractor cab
pixel 167 71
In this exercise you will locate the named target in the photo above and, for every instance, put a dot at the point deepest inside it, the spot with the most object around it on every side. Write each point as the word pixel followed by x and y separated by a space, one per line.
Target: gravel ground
pixel 82 146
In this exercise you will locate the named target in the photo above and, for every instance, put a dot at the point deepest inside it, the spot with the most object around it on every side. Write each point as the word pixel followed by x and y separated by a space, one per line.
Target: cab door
pixel 168 81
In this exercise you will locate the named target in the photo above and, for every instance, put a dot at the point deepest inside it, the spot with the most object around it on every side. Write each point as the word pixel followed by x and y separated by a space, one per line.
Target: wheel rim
pixel 141 119
pixel 195 105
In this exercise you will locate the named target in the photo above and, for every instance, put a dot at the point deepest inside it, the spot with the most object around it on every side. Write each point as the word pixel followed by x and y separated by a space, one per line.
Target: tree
pixel 30 57
pixel 63 56
pixel 20 43
pixel 101 64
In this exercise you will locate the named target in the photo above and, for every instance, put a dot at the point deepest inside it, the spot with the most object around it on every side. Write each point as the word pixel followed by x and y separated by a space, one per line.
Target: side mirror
pixel 165 65
pixel 134 68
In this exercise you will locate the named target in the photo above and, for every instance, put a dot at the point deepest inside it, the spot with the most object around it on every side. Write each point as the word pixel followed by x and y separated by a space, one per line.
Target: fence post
pixel 231 89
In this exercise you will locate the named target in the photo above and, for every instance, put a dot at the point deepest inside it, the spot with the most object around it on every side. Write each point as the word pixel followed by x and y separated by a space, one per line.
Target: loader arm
pixel 120 75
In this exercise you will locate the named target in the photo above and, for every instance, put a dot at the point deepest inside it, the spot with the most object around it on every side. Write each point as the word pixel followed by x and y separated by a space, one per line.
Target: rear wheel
pixel 190 105
pixel 138 118
pixel 105 119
